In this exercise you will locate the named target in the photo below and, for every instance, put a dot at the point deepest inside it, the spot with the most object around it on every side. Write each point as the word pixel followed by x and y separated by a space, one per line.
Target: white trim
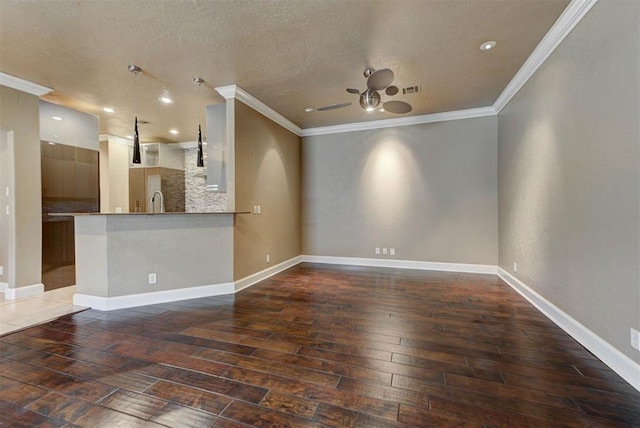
pixel 143 299
pixel 26 291
pixel 115 139
pixel 616 360
pixel 571 16
pixel 250 280
pixel 187 144
pixel 23 85
pixel 400 121
pixel 3 287
pixel 403 264
pixel 235 91
pixel 228 92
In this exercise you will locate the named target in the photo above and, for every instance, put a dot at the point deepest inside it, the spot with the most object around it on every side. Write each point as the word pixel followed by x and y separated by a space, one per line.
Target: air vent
pixel 411 90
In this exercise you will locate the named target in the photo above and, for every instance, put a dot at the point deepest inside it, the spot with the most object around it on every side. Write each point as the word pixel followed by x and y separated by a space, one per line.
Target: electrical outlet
pixel 384 251
pixel 268 258
pixel 515 267
pixel 392 251
pixel 152 278
pixel 635 338
pixel 378 250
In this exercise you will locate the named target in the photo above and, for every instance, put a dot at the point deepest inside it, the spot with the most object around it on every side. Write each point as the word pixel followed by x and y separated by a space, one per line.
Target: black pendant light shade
pixel 137 71
pixel 200 154
pixel 200 162
pixel 136 144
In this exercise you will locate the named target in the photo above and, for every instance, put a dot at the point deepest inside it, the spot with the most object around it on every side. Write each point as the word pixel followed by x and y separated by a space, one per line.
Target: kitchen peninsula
pixel 132 259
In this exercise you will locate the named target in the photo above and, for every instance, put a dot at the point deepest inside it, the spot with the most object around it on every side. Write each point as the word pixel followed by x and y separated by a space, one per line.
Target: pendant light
pixel 200 162
pixel 136 139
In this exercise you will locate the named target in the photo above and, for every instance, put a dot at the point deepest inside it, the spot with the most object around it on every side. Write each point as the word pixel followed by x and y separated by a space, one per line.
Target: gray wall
pixel 429 191
pixel 569 175
pixel 116 253
pixel 267 173
pixel 19 113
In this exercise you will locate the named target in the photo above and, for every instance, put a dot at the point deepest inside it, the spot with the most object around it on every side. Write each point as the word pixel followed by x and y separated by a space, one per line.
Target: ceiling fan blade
pixel 333 106
pixel 353 91
pixel 391 90
pixel 380 79
pixel 397 107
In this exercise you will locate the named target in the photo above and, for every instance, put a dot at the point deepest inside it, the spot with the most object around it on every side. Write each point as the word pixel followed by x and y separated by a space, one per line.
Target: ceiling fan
pixel 377 80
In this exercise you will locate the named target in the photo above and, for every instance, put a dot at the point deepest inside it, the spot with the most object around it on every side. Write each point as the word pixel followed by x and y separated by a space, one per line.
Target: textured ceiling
pixel 290 54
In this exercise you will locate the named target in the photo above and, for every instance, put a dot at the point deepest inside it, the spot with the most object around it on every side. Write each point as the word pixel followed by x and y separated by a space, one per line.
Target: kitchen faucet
pixel 153 200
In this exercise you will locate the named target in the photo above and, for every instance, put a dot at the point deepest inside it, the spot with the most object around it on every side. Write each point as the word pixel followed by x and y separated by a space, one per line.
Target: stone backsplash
pixel 196 197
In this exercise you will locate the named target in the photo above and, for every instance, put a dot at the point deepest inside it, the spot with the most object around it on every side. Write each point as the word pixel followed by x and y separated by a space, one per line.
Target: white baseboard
pixel 403 264
pixel 248 281
pixel 20 292
pixel 616 360
pixel 143 299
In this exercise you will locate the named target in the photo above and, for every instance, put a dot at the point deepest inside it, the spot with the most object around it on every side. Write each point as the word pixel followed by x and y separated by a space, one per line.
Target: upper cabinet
pixel 69 172
pixel 217 144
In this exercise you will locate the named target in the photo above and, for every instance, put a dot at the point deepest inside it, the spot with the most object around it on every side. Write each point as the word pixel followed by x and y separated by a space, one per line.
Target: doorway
pixel 70 184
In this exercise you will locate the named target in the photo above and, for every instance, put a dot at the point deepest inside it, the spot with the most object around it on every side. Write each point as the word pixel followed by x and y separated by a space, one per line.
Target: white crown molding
pixel 402 264
pixel 115 139
pixel 571 16
pixel 187 144
pixel 235 91
pixel 23 85
pixel 400 121
pixel 616 360
pixel 228 92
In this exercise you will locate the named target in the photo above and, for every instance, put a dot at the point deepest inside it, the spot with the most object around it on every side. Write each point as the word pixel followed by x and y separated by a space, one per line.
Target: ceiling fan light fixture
pixel 369 100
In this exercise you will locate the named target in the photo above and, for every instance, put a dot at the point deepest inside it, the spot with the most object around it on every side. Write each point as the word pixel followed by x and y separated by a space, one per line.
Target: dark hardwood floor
pixel 316 345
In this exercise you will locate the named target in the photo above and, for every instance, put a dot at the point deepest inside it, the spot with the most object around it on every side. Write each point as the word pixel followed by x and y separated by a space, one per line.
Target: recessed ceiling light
pixel 108 110
pixel 308 109
pixel 166 97
pixel 487 45
pixel 56 118
pixel 174 131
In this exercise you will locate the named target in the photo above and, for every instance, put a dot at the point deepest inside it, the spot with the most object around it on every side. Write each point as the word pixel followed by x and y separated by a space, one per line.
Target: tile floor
pixel 20 313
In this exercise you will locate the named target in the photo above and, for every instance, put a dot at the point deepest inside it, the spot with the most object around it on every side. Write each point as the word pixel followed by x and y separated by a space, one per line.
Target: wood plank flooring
pixel 316 345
